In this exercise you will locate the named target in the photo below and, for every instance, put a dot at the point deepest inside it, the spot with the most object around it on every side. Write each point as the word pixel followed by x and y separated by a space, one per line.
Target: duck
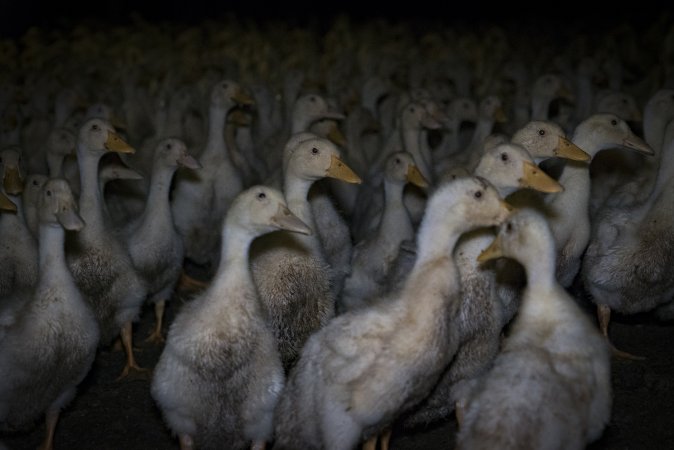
pixel 219 375
pixel 49 348
pixel 550 385
pixel 19 256
pixel 98 260
pixel 569 211
pixel 155 246
pixel 367 366
pixel 626 263
pixel 200 198
pixel 373 256
pixel 481 311
pixel 292 272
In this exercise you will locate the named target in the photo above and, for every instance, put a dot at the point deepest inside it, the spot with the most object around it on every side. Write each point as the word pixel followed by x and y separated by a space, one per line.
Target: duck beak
pixel 336 136
pixel 189 161
pixel 239 118
pixel 492 252
pixel 13 182
pixel 6 204
pixel 284 219
pixel 569 150
pixel 242 98
pixel 430 122
pixel 636 143
pixel 535 178
pixel 338 169
pixel 114 143
pixel 415 177
pixel 500 116
pixel 70 220
pixel 506 210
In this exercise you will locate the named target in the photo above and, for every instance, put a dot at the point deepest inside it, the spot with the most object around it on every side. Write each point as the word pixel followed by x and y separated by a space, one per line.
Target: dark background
pixel 17 15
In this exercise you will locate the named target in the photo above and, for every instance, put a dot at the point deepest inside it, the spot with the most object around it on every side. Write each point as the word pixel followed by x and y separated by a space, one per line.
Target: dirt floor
pixel 121 415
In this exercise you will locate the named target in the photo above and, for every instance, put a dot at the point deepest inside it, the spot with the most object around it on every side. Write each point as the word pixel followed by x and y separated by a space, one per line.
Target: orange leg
pixel 127 341
pixel 604 315
pixel 459 410
pixel 385 438
pixel 50 422
pixel 258 445
pixel 188 283
pixel 371 443
pixel 186 442
pixel 156 337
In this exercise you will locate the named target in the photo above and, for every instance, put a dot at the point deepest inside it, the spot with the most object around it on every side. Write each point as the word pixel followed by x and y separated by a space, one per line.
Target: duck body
pixel 220 374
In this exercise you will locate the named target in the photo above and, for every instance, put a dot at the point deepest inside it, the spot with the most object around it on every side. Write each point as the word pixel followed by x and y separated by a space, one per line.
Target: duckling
pixel 100 264
pixel 219 376
pixel 550 386
pixel 155 246
pixel 373 256
pixel 292 272
pixel 367 366
pixel 50 346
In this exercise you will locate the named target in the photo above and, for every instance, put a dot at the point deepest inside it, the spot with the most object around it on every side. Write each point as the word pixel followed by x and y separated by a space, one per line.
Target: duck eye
pixel 541 132
pixel 312 99
pixel 614 122
pixel 397 160
pixel 261 195
pixel 48 193
pixel 168 146
pixel 412 109
pixel 478 194
pixel 509 227
pixel 95 127
pixel 314 151
pixel 504 157
pixel 225 86
pixel 35 183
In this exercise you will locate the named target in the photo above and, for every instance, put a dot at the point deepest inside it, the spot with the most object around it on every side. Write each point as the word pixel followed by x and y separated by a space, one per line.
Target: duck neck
pixel 157 205
pixel 483 128
pixel 216 133
pixel 91 200
pixel 539 107
pixel 234 251
pixel 55 164
pixel 296 191
pixel 411 136
pixel 395 220
pixel 52 263
pixel 577 183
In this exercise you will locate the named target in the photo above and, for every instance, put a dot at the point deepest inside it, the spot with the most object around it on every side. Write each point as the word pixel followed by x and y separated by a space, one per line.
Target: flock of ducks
pixel 379 227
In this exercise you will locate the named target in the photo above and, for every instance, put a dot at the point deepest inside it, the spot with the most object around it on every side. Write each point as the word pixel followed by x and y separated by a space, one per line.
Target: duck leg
pixel 131 365
pixel 258 445
pixel 371 443
pixel 156 337
pixel 186 442
pixel 604 316
pixel 385 438
pixel 51 419
pixel 188 283
pixel 459 409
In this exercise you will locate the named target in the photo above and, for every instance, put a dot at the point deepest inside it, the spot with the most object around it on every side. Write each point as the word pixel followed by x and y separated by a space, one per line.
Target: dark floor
pixel 112 415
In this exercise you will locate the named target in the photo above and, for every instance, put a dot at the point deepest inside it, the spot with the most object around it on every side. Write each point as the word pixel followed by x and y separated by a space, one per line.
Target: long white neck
pixel 52 264
pixel 411 136
pixel 395 220
pixel 296 191
pixel 216 132
pixel 157 205
pixel 91 199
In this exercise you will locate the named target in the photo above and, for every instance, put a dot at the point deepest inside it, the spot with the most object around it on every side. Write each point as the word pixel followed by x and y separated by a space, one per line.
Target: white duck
pixel 367 366
pixel 291 271
pixel 373 256
pixel 50 346
pixel 100 263
pixel 201 198
pixel 219 376
pixel 627 264
pixel 155 246
pixel 568 211
pixel 508 167
pixel 550 386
